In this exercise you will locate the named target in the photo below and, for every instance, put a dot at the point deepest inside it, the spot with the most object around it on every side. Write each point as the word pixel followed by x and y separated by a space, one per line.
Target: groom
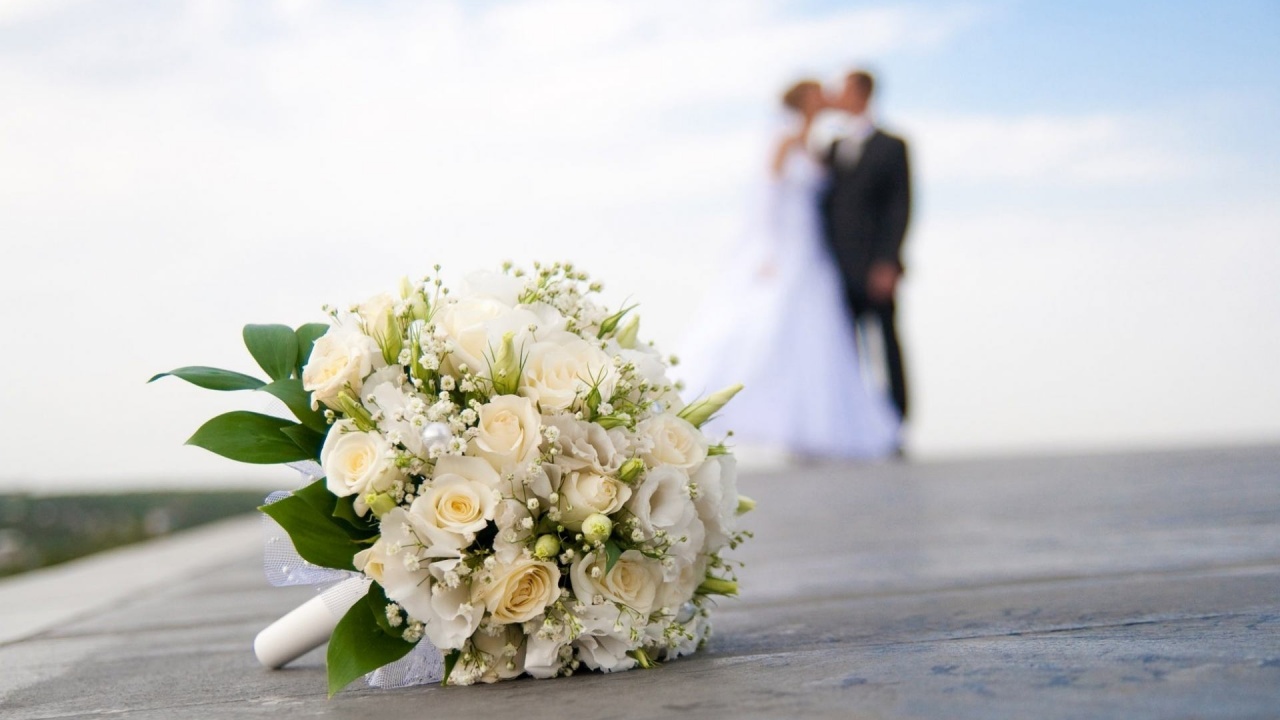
pixel 865 211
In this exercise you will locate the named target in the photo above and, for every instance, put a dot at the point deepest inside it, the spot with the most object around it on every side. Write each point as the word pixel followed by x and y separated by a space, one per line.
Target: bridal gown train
pixel 786 335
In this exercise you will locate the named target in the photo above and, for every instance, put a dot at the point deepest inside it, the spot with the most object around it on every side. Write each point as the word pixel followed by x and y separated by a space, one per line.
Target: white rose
pixel 605 639
pixel 518 592
pixel 458 501
pixel 509 432
pixel 377 314
pixel 675 442
pixel 457 505
pixel 662 502
pixel 717 503
pixel 357 463
pixel 471 468
pixel 475 327
pixel 372 561
pixel 633 581
pixel 562 369
pixel 341 357
pixel 466 323
pixel 585 492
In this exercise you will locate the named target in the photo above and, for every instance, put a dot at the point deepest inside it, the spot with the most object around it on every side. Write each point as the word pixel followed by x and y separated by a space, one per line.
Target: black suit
pixel 865 211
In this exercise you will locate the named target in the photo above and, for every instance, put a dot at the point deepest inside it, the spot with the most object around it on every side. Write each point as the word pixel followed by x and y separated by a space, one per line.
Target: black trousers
pixel 884 312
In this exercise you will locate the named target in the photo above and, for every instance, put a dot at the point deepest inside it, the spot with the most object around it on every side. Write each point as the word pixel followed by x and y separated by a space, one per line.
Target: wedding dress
pixel 776 321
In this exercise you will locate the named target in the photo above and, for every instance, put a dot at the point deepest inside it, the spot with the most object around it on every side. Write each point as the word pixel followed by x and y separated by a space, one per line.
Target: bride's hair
pixel 793 98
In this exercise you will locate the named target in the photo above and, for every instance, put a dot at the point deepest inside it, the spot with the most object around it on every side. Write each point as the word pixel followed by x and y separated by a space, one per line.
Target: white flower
pixel 372 560
pixel 466 324
pixel 450 618
pixel 699 627
pixel 357 463
pixel 458 501
pixel 633 581
pixel 605 639
pixel 518 592
pixel 510 517
pixel 456 504
pixel 340 358
pixel 585 492
pixel 678 586
pixel 675 442
pixel 475 326
pixel 508 432
pixel 504 653
pixel 396 408
pixel 662 503
pixel 717 502
pixel 562 369
pixel 585 444
pixel 542 658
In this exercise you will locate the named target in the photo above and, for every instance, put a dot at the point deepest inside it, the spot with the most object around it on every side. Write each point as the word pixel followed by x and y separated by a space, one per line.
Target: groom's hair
pixel 862 80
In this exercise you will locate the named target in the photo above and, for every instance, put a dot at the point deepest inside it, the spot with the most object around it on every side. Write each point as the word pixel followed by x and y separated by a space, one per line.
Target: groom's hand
pixel 882 282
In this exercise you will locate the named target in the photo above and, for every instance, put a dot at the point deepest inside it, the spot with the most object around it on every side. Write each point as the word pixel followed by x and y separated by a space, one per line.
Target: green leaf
pixel 249 437
pixel 612 552
pixel 450 660
pixel 359 646
pixel 317 536
pixel 317 495
pixel 307 336
pixel 211 378
pixel 304 437
pixel 289 391
pixel 345 511
pixel 275 347
pixel 377 601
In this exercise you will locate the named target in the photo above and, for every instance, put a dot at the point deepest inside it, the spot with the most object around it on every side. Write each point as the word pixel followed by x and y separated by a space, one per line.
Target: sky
pixel 1092 262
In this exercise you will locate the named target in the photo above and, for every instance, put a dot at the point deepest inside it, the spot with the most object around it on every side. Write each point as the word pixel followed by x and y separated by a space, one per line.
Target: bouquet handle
pixel 307 626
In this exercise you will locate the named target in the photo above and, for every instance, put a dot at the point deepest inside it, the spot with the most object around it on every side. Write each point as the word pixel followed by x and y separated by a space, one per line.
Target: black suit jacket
pixel 866 207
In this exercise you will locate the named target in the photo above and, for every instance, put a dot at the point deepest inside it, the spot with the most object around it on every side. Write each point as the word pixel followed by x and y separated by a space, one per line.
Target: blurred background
pixel 1092 264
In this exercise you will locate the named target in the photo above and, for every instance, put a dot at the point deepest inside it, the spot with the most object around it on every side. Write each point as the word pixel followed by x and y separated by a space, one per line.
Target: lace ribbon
pixel 340 589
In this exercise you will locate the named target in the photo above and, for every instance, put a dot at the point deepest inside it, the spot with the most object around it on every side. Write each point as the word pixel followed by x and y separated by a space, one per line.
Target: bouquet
pixel 509 469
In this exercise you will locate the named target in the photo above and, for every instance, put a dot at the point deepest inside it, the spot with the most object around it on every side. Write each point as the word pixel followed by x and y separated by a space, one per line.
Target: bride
pixel 777 323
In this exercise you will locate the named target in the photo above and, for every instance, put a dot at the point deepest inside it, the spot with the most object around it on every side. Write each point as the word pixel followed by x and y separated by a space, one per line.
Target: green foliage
pixel 344 509
pixel 320 538
pixel 378 601
pixel 307 440
pixel 211 378
pixel 359 645
pixel 307 336
pixel 450 661
pixel 612 552
pixel 289 391
pixel 275 347
pixel 249 437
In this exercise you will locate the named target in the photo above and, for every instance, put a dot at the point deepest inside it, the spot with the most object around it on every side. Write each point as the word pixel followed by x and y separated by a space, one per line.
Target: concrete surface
pixel 1125 586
